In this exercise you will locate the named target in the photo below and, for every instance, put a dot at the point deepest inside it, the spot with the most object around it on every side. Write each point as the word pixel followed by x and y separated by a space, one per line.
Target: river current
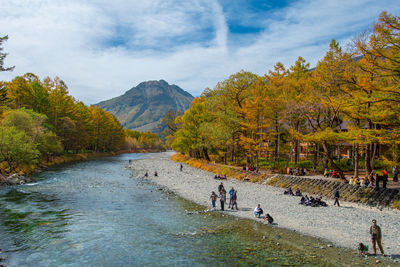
pixel 95 213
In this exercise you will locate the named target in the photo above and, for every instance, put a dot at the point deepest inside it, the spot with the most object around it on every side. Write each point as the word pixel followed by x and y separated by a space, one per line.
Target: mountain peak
pixel 142 107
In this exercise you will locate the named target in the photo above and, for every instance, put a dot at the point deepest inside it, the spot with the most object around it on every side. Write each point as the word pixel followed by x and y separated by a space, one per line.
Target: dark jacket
pixel 336 195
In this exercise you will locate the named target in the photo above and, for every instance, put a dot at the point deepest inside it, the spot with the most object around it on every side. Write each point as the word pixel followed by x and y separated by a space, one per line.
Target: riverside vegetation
pixel 41 124
pixel 349 101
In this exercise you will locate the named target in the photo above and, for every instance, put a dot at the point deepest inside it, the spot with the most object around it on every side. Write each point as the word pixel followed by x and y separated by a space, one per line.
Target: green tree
pixel 3 55
pixel 16 148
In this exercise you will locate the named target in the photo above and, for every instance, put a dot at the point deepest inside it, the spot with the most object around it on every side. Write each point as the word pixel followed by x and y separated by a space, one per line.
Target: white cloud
pixel 184 42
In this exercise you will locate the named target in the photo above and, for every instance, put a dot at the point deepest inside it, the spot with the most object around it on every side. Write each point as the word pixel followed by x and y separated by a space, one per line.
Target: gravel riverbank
pixel 345 226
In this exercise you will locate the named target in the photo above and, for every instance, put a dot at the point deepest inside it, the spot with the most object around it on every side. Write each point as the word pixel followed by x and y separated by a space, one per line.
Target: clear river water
pixel 95 213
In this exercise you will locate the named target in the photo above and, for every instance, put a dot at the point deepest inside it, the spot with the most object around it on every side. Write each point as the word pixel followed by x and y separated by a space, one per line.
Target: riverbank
pixel 22 177
pixel 383 198
pixel 345 226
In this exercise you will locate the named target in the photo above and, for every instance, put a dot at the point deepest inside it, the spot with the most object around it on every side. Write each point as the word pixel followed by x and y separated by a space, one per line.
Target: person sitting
pixel 305 201
pixel 223 177
pixel 146 175
pixel 333 174
pixel 362 249
pixel 215 177
pixel 155 173
pixel 319 202
pixel 288 192
pixel 258 211
pixel 291 171
pixel 326 173
pixel 268 218
pixel 312 202
pixel 244 168
pixel 298 193
pixel 362 182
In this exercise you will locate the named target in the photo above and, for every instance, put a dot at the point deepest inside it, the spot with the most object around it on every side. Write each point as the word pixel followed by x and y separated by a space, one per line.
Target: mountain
pixel 142 107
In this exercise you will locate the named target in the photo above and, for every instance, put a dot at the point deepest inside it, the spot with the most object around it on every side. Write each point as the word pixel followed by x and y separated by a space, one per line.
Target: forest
pixel 298 116
pixel 39 120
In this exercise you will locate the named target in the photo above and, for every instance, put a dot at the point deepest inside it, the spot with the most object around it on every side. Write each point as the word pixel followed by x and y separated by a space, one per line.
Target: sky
pixel 102 48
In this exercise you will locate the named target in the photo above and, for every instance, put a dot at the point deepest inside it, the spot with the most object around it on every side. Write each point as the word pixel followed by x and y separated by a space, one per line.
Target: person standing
pixel 376 237
pixel 395 173
pixel 213 198
pixel 222 199
pixel 336 196
pixel 181 167
pixel 234 200
pixel 230 197
pixel 221 187
pixel 385 177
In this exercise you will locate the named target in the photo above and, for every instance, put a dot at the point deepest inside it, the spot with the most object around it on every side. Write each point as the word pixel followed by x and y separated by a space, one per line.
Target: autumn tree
pixel 381 78
pixel 326 101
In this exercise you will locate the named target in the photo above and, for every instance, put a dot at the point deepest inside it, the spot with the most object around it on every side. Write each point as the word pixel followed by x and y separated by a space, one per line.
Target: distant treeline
pixel 39 119
pixel 351 98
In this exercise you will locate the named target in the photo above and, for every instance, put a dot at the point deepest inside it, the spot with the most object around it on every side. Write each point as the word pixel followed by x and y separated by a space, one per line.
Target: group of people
pixel 251 169
pixel 312 202
pixel 147 174
pixel 297 193
pixel 331 173
pixel 220 177
pixel 376 238
pixel 258 211
pixel 298 171
pixel 222 198
pixel 371 181
pixel 375 230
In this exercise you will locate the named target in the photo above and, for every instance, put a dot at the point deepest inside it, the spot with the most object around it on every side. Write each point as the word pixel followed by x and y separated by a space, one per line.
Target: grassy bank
pixel 231 171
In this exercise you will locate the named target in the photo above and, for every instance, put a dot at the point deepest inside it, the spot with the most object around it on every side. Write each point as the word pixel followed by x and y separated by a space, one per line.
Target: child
pixel 362 249
pixel 268 218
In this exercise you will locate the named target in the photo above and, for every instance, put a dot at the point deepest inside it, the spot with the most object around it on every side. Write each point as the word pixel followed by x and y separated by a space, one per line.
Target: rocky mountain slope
pixel 142 107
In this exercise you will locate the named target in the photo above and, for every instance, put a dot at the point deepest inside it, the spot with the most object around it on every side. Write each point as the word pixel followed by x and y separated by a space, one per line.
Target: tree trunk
pixel 276 150
pixel 333 164
pixel 205 152
pixel 291 151
pixel 296 152
pixel 257 161
pixel 373 156
pixel 355 160
pixel 315 156
pixel 368 168
pixel 279 144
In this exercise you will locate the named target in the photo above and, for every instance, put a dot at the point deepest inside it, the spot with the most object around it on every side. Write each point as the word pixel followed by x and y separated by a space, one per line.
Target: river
pixel 94 213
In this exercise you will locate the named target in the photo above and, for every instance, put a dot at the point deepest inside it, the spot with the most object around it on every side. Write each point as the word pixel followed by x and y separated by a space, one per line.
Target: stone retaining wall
pixel 352 193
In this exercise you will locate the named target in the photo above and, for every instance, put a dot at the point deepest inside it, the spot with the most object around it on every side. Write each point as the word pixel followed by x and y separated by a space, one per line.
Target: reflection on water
pixel 94 213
